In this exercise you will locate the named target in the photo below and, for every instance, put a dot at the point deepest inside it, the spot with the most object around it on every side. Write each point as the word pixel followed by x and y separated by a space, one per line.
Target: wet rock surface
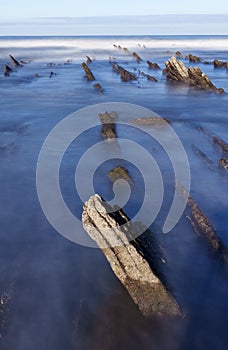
pixel 88 72
pixel 14 61
pixel 151 121
pixel 126 259
pixel 108 125
pixel 119 173
pixel 153 65
pixel 125 74
pixel 7 70
pixel 177 71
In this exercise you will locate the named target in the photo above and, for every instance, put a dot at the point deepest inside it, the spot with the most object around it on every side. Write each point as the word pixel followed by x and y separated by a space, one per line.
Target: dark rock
pixel 125 74
pixel 127 260
pixel 88 72
pixel 108 125
pixel 192 58
pixel 137 57
pixel 119 173
pixel 176 71
pixel 98 87
pixel 149 77
pixel 125 50
pixel 179 54
pixel 223 163
pixel 220 64
pixel 203 227
pixel 153 65
pixel 89 60
pixel 14 61
pixel 7 70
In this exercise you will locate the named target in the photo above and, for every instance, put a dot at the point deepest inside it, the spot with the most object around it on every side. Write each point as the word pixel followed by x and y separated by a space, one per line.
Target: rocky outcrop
pixel 108 125
pixel 192 58
pixel 203 227
pixel 127 259
pixel 125 74
pixel 99 88
pixel 153 65
pixel 151 121
pixel 88 72
pixel 7 70
pixel 119 173
pixel 149 77
pixel 88 60
pixel 223 163
pixel 14 61
pixel 137 57
pixel 179 54
pixel 220 64
pixel 176 71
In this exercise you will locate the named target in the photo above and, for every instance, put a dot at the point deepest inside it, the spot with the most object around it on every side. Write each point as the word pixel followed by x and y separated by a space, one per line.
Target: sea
pixel 57 293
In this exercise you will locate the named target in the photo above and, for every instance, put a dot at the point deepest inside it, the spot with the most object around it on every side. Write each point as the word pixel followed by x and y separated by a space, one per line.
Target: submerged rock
pixel 176 71
pixel 152 121
pixel 153 65
pixel 88 72
pixel 14 61
pixel 192 58
pixel 125 74
pixel 220 64
pixel 119 173
pixel 179 54
pixel 7 70
pixel 99 88
pixel 89 60
pixel 108 125
pixel 127 259
pixel 223 163
pixel 202 225
pixel 149 77
pixel 137 57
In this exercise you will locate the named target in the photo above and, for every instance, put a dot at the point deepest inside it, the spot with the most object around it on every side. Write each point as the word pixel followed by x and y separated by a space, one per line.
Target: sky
pixel 82 17
pixel 20 9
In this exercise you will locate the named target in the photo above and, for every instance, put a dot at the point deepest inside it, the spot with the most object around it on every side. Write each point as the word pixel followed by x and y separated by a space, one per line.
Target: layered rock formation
pixel 129 261
pixel 88 72
pixel 108 125
pixel 118 173
pixel 220 64
pixel 153 65
pixel 14 61
pixel 176 71
pixel 7 70
pixel 125 74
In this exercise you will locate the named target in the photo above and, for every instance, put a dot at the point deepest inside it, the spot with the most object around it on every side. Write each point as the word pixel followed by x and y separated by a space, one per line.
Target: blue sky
pixel 20 9
pixel 81 17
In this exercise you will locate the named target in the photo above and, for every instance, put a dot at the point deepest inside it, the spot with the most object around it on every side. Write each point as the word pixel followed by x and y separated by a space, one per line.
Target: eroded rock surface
pixel 126 259
pixel 177 71
pixel 108 125
pixel 88 72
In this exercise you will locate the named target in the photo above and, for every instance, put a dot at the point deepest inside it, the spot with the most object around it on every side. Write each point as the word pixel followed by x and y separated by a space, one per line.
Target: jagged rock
pixel 192 58
pixel 88 72
pixel 176 71
pixel 108 125
pixel 152 121
pixel 137 57
pixel 127 259
pixel 7 70
pixel 118 173
pixel 203 227
pixel 89 60
pixel 99 88
pixel 119 47
pixel 149 77
pixel 179 54
pixel 125 50
pixel 114 45
pixel 220 64
pixel 125 74
pixel 217 140
pixel 14 61
pixel 223 163
pixel 153 65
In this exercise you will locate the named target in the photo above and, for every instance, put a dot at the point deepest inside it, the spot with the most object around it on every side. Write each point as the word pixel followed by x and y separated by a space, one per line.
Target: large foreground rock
pixel 176 71
pixel 128 261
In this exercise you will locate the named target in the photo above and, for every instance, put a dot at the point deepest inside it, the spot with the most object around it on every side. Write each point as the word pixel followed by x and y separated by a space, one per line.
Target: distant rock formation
pixel 99 88
pixel 223 163
pixel 14 61
pixel 137 57
pixel 176 71
pixel 128 260
pixel 125 74
pixel 7 70
pixel 153 65
pixel 88 72
pixel 192 58
pixel 89 60
pixel 220 64
pixel 179 54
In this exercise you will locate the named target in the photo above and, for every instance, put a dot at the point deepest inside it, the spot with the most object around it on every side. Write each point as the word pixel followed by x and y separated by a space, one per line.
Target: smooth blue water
pixel 64 296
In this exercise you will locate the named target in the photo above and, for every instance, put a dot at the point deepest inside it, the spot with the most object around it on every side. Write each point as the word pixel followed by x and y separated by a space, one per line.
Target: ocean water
pixel 63 295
